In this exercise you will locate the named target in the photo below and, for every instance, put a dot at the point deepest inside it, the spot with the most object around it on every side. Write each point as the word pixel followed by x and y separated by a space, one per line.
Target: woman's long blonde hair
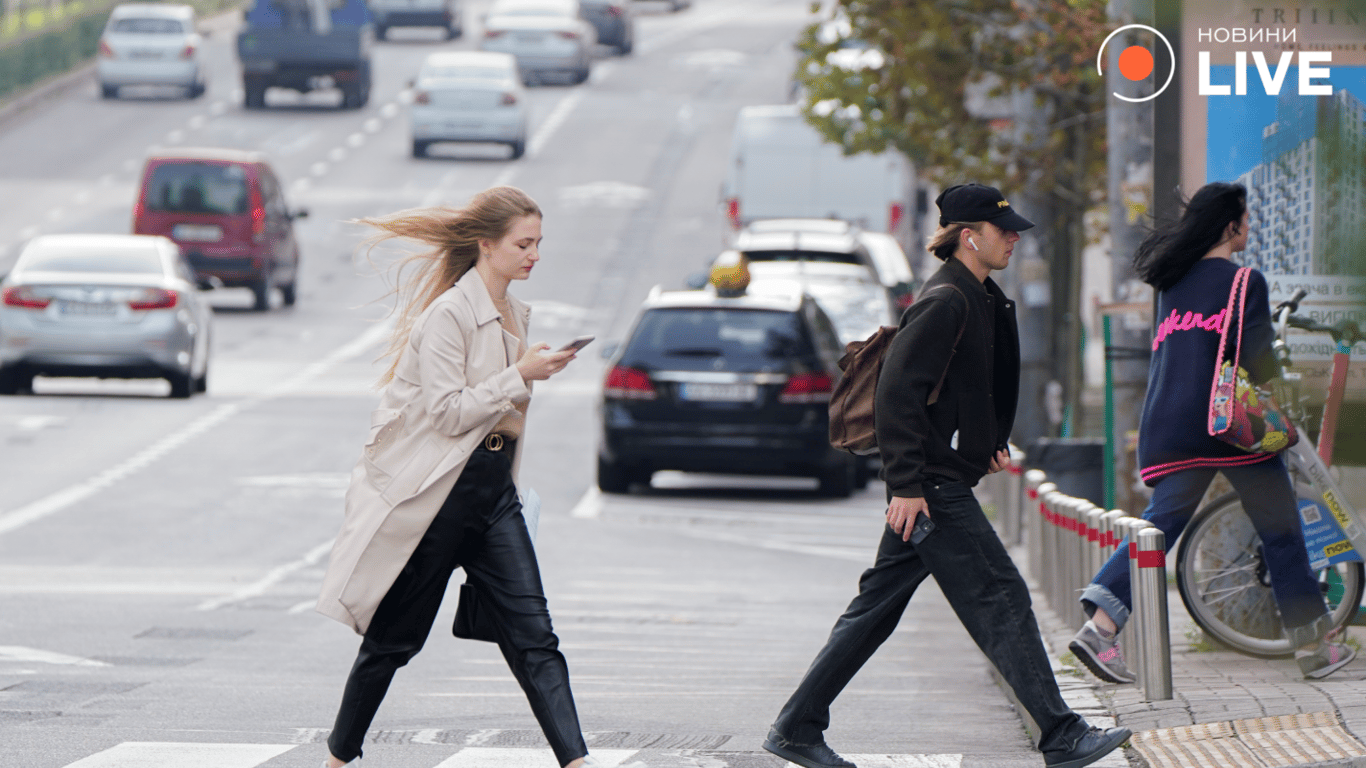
pixel 453 235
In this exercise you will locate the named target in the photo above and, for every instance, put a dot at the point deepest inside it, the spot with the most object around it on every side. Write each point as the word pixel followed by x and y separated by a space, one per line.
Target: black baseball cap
pixel 978 202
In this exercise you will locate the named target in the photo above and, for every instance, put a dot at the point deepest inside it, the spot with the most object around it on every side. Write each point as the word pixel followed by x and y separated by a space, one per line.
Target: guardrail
pixel 1067 540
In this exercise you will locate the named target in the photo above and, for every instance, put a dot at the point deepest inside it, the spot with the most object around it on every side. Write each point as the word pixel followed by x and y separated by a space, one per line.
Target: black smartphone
pixel 923 527
pixel 577 344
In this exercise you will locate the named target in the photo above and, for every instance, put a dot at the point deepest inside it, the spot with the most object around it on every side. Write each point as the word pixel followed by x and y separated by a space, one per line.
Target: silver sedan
pixel 151 44
pixel 471 96
pixel 546 36
pixel 112 306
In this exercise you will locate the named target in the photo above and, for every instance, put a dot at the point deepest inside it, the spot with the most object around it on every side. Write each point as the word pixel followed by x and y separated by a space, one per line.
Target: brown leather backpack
pixel 852 422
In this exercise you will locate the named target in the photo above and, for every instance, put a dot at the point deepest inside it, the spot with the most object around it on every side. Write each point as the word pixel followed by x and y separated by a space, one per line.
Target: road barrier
pixel 1068 540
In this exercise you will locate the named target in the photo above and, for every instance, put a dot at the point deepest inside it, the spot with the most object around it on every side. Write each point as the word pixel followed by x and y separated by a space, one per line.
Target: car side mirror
pixel 609 349
pixel 301 213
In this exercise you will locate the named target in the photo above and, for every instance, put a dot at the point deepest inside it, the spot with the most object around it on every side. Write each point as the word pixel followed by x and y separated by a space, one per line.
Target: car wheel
pixel 195 91
pixel 261 289
pixel 612 477
pixel 353 96
pixel 381 32
pixel 109 91
pixel 15 381
pixel 453 33
pixel 182 385
pixel 626 46
pixel 201 382
pixel 254 96
pixel 581 75
pixel 420 147
pixel 288 293
pixel 838 479
pixel 518 149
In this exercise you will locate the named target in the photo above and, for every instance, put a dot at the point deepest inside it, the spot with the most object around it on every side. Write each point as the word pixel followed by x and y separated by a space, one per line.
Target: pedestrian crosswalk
pixel 148 754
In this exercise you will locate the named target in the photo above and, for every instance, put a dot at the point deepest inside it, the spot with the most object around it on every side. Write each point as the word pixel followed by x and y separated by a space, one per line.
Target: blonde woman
pixel 435 486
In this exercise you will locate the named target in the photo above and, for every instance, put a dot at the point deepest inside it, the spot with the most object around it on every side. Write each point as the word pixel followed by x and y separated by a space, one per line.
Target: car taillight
pixel 894 216
pixel 628 384
pixel 614 10
pixel 492 33
pixel 566 34
pixel 258 216
pixel 21 296
pixel 422 97
pixel 188 53
pixel 106 52
pixel 155 298
pixel 509 99
pixel 733 212
pixel 807 388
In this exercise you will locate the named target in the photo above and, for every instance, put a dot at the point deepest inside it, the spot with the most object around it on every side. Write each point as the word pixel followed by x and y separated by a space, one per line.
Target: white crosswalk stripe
pixel 496 757
pixel 153 754
pixel 145 754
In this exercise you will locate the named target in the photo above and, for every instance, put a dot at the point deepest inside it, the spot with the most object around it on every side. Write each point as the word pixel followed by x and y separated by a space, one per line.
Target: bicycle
pixel 1220 571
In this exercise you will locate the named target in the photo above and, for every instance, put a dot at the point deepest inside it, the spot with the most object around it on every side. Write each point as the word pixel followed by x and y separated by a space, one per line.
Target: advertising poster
pixel 1274 97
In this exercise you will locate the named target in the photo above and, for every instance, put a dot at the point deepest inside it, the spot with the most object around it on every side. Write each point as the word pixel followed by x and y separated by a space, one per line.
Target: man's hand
pixel 1000 461
pixel 901 514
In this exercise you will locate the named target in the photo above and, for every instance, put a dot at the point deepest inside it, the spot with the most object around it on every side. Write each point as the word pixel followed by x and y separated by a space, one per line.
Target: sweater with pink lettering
pixel 1173 433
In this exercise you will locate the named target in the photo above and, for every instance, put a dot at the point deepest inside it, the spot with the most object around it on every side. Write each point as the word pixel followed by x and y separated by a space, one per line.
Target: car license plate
pixel 530 39
pixel 144 54
pixel 198 233
pixel 86 308
pixel 719 393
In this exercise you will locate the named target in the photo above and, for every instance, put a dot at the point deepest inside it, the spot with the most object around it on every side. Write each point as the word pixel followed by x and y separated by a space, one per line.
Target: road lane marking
pixel 18 653
pixel 54 503
pixel 502 757
pixel 589 506
pixel 275 576
pixel 151 754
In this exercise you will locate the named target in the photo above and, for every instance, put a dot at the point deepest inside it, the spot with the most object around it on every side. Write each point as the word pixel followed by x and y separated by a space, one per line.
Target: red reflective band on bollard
pixel 1032 493
pixel 1093 535
pixel 1153 559
pixel 1133 550
pixel 1015 469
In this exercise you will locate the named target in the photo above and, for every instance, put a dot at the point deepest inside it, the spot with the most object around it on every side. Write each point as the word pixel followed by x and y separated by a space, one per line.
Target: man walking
pixel 945 405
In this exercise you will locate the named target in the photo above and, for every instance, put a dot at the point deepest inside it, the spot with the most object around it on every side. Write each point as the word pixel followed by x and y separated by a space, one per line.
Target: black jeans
pixel 480 528
pixel 980 581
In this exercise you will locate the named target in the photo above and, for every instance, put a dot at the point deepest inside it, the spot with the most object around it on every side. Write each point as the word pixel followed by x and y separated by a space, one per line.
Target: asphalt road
pixel 159 559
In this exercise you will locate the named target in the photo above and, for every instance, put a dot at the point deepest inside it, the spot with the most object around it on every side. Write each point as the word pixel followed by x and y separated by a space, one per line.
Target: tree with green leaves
pixel 1001 92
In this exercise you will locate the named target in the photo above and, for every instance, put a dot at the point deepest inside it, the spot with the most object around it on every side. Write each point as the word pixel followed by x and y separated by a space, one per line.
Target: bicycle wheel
pixel 1225 585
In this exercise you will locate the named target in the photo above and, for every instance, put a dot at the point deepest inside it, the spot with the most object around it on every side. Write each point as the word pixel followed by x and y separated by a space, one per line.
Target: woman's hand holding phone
pixel 538 364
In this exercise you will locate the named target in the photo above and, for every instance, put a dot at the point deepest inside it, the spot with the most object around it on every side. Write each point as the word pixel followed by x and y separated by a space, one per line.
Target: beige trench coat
pixel 455 380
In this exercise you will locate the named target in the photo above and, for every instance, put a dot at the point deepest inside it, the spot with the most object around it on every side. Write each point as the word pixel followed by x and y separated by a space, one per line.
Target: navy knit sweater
pixel 1174 432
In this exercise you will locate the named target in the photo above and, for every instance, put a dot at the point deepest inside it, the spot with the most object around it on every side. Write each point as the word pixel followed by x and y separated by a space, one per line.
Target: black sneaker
pixel 1092 746
pixel 805 755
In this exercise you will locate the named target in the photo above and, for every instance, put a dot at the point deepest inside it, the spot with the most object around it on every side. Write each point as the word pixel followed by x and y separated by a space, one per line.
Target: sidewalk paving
pixel 1226 710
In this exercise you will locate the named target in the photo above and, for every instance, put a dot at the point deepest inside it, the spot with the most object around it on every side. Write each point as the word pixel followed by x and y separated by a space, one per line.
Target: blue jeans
pixel 983 587
pixel 1269 500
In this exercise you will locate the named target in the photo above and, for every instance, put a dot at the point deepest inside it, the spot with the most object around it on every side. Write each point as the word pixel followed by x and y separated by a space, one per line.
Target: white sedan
pixel 469 96
pixel 546 36
pixel 145 44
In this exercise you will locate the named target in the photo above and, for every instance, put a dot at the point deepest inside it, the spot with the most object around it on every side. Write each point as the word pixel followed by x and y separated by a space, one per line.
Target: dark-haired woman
pixel 1190 263
pixel 435 489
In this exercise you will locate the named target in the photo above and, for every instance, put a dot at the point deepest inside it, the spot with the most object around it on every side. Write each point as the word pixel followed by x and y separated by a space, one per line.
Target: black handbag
pixel 472 619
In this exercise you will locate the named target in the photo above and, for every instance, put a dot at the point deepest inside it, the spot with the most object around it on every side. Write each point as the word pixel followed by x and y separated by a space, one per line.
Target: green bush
pixel 27 61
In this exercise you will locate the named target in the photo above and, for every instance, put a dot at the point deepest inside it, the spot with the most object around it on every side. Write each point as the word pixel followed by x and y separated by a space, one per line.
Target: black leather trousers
pixel 479 528
pixel 983 587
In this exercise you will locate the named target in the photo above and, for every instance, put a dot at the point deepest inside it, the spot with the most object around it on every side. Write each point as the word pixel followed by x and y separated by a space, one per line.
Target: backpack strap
pixel 934 395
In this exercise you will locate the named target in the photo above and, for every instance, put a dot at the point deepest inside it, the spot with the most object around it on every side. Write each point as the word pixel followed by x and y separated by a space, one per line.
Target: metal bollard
pixel 1049 563
pixel 1148 570
pixel 1138 653
pixel 1081 561
pixel 1038 522
pixel 1112 534
pixel 1012 505
pixel 1095 549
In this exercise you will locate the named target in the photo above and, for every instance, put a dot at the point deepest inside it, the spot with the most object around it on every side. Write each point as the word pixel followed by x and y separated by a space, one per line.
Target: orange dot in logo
pixel 1135 62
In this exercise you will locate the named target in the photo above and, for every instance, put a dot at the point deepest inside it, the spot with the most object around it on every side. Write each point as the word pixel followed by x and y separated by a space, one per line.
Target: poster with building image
pixel 1290 127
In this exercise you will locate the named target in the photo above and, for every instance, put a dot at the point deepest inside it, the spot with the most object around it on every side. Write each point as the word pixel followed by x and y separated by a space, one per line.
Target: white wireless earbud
pixel 972 245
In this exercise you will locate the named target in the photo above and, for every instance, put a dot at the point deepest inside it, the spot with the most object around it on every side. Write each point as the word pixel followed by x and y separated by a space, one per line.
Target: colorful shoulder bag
pixel 1240 414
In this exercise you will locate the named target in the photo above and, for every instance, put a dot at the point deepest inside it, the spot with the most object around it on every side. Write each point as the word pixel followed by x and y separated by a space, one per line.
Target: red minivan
pixel 226 210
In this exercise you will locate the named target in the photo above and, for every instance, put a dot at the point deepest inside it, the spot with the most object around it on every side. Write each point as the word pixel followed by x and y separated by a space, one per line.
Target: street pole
pixel 1130 161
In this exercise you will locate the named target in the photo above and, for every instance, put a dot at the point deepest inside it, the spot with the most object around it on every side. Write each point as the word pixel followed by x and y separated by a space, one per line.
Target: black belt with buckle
pixel 496 442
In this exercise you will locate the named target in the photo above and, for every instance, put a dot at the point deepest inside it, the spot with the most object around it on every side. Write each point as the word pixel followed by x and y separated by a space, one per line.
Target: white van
pixel 781 167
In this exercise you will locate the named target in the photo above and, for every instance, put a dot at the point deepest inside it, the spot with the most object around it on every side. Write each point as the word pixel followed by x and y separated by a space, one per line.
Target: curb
pixel 44 90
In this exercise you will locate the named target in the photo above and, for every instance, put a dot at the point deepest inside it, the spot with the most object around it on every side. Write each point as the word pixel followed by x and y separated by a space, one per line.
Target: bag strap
pixel 1237 298
pixel 934 395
